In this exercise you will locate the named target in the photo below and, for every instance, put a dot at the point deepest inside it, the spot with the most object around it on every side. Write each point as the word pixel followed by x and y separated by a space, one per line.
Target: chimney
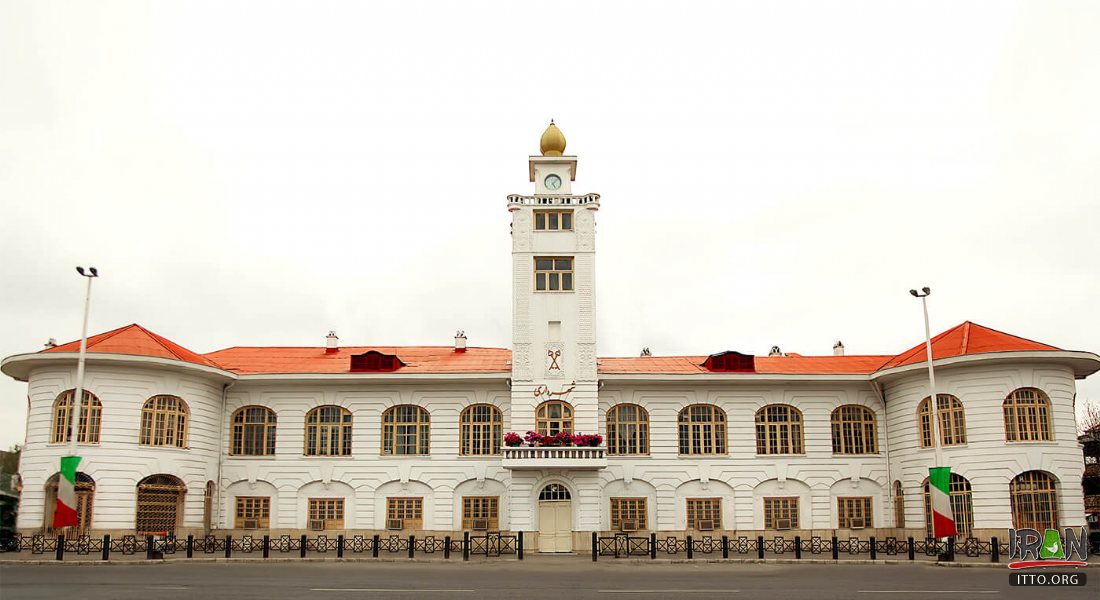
pixel 646 352
pixel 51 343
pixel 460 341
pixel 775 351
pixel 332 343
pixel 838 348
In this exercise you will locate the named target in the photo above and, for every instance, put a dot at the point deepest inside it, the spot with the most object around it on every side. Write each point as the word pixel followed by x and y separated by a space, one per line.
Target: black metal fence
pixel 625 545
pixel 489 544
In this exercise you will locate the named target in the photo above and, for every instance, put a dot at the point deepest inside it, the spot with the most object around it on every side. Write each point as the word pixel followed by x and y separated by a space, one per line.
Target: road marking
pixel 166 587
pixel 383 590
pixel 676 591
pixel 929 591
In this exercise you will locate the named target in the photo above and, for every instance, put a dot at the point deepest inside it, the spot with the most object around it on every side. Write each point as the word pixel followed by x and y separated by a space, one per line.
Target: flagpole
pixel 933 398
pixel 78 393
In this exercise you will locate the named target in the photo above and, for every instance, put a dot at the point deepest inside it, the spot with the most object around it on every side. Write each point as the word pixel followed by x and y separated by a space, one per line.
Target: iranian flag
pixel 64 514
pixel 943 518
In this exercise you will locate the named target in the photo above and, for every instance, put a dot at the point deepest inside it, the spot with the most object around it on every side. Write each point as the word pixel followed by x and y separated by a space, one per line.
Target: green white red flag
pixel 64 514
pixel 943 517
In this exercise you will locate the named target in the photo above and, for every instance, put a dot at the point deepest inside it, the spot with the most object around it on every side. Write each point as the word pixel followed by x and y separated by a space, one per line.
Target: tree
pixel 9 461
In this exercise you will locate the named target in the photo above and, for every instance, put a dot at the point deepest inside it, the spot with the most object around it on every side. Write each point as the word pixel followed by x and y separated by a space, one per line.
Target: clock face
pixel 552 182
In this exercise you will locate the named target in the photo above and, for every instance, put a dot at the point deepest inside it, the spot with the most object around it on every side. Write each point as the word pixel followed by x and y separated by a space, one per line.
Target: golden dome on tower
pixel 552 142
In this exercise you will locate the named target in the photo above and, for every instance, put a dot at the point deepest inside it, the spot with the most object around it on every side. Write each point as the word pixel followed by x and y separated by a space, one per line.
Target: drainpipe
pixel 881 395
pixel 217 499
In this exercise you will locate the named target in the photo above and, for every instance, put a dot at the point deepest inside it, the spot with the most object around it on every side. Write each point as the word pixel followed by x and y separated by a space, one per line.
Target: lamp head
pixel 926 290
pixel 95 273
pixel 915 294
pixel 80 270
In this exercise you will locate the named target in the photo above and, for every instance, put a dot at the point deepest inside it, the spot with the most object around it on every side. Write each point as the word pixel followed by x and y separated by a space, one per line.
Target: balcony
pixel 554 457
pixel 554 200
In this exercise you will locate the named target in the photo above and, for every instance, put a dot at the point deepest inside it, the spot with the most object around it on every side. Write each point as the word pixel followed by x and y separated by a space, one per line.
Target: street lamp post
pixel 66 512
pixel 937 438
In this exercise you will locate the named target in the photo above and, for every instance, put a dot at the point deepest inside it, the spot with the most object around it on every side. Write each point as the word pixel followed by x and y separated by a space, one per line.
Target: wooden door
pixel 556 526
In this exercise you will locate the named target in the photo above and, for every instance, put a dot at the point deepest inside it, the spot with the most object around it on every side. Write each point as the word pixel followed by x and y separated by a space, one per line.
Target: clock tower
pixel 554 382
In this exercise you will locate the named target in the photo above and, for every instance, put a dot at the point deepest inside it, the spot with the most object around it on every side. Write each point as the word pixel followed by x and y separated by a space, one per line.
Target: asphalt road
pixel 567 578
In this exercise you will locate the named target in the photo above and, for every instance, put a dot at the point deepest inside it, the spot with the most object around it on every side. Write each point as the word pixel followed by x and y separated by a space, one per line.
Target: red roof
pixel 137 340
pixel 967 338
pixel 417 359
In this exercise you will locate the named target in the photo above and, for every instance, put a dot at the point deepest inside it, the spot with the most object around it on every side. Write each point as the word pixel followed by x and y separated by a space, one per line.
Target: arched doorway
pixel 85 492
pixel 208 507
pixel 555 519
pixel 159 504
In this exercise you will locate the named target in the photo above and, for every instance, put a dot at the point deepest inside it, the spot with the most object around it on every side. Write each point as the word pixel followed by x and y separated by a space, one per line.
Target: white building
pixel 370 439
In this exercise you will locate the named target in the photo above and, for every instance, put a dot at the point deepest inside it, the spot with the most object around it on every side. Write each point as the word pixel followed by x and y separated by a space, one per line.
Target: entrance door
pixel 555 519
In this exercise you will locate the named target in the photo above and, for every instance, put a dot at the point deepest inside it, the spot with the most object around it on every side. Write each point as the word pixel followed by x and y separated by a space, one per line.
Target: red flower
pixel 512 439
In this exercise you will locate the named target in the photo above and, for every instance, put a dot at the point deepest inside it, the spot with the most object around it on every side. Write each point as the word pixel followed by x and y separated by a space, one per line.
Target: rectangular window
pixel 553 220
pixel 781 513
pixel 628 512
pixel 854 512
pixel 253 512
pixel 330 511
pixel 409 510
pixel 553 274
pixel 481 508
pixel 705 510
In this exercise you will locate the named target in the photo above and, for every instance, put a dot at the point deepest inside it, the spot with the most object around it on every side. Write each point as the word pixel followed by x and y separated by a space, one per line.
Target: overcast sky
pixel 247 173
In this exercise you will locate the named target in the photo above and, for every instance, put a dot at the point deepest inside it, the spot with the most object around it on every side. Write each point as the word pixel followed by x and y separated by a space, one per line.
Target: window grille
pixel 554 416
pixel 628 510
pixel 899 505
pixel 85 495
pixel 409 510
pixel 961 504
pixel 702 430
pixel 253 512
pixel 164 422
pixel 778 430
pixel 1027 416
pixel 952 421
pixel 330 511
pixel 482 427
pixel 328 431
pixel 555 491
pixel 854 430
pixel 208 507
pixel 627 430
pixel 481 508
pixel 704 509
pixel 406 431
pixel 91 412
pixel 1034 501
pixel 854 512
pixel 159 504
pixel 781 511
pixel 253 431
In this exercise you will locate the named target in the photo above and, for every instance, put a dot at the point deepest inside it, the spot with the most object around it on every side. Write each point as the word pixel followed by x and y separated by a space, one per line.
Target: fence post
pixel 339 546
pixel 760 547
pixel 303 546
pixel 725 546
pixel 691 547
pixel 60 554
pixel 911 550
pixel 267 546
pixel 949 552
pixel 446 546
pixel 995 550
pixel 228 546
pixel 653 546
pixel 836 551
pixel 190 545
pixel 595 546
pixel 106 546
pixel 150 547
pixel 519 545
pixel 465 545
pixel 874 548
pixel 798 546
pixel 412 545
pixel 377 541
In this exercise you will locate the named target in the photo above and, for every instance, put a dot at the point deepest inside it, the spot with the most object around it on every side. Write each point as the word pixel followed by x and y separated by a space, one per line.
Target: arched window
pixel 702 429
pixel 406 430
pixel 778 430
pixel 952 421
pixel 1034 501
pixel 555 491
pixel 627 430
pixel 164 422
pixel 208 507
pixel 854 430
pixel 899 505
pixel 1027 416
pixel 482 427
pixel 159 504
pixel 554 416
pixel 328 431
pixel 85 494
pixel 961 504
pixel 90 414
pixel 253 431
